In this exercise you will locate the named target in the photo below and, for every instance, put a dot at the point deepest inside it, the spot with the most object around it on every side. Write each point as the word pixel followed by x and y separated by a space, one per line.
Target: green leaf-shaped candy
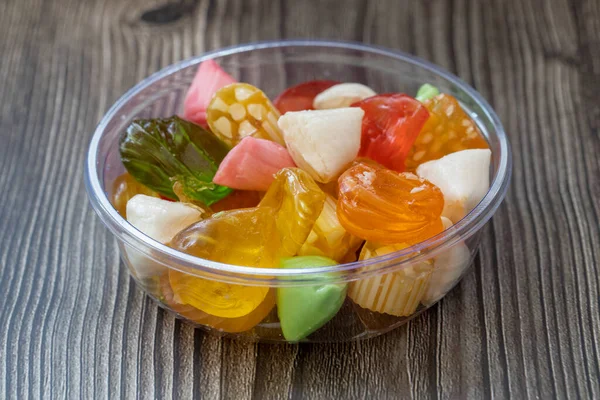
pixel 160 152
pixel 304 309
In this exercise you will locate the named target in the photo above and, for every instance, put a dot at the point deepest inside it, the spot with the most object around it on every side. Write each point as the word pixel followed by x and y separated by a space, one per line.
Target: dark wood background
pixel 525 322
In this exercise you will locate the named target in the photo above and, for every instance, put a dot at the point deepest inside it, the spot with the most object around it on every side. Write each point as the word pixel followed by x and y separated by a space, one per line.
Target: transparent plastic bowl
pixel 412 279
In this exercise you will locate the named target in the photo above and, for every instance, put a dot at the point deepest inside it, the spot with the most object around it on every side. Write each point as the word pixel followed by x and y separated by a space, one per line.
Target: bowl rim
pixel 254 276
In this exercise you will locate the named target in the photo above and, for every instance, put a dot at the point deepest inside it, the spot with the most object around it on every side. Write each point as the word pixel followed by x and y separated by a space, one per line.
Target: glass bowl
pixel 383 292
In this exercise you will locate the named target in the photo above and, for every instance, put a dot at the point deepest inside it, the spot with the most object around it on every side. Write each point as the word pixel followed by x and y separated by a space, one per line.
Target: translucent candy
pixel 328 237
pixel 124 188
pixel 231 325
pixel 162 151
pixel 299 202
pixel 301 97
pixel 448 129
pixel 216 298
pixel 239 110
pixel 383 206
pixel 252 237
pixel 391 123
pixel 246 237
pixel 237 199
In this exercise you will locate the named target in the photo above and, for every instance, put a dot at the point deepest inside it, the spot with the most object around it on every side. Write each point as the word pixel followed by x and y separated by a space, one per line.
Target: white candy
pixel 342 95
pixel 323 142
pixel 463 177
pixel 448 267
pixel 159 219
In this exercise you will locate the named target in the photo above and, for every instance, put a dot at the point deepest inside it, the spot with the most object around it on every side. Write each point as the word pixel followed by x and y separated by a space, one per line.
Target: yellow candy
pixel 398 293
pixel 246 237
pixel 232 325
pixel 299 202
pixel 239 110
pixel 124 188
pixel 328 237
pixel 252 237
pixel 216 298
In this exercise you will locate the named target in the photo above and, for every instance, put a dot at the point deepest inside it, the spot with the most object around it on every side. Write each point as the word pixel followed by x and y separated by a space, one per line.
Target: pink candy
pixel 251 164
pixel 209 78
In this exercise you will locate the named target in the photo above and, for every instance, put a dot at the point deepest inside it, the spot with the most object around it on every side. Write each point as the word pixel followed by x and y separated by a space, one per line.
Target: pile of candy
pixel 327 173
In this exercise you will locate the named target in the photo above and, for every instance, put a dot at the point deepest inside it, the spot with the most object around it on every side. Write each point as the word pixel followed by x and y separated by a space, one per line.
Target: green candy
pixel 302 310
pixel 159 152
pixel 427 92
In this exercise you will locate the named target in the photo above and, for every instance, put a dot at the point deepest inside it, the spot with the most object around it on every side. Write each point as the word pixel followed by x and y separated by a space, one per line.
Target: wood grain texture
pixel 524 323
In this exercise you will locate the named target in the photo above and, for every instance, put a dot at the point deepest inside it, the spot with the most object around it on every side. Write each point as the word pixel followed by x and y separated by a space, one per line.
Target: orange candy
pixel 449 129
pixel 231 325
pixel 383 206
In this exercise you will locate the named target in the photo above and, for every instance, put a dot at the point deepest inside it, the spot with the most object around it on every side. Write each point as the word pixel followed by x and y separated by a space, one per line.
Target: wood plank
pixel 524 322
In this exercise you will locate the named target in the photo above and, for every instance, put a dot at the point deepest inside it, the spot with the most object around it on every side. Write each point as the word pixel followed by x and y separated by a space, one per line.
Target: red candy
pixel 209 78
pixel 252 164
pixel 390 126
pixel 300 97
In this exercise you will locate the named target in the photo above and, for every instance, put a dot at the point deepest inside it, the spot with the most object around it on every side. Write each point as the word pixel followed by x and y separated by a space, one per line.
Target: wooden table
pixel 525 322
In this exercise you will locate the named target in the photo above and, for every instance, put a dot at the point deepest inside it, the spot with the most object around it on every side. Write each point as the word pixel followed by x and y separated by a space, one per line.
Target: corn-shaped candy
pixel 328 237
pixel 397 293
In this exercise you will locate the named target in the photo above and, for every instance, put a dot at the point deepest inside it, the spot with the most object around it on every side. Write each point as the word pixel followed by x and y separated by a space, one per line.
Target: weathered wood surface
pixel 525 322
